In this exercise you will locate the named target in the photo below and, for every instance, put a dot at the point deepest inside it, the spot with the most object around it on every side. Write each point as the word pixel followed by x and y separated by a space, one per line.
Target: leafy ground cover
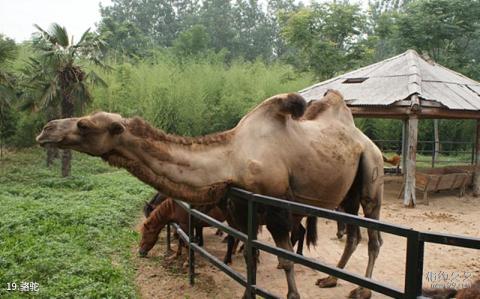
pixel 72 236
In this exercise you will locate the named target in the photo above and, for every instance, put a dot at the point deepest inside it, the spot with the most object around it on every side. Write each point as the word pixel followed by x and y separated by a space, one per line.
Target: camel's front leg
pixel 278 226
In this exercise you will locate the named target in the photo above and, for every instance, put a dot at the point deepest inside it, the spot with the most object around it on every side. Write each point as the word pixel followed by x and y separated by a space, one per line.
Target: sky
pixel 18 16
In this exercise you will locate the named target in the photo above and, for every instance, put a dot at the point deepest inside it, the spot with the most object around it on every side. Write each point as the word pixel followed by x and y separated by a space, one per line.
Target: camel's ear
pixel 116 128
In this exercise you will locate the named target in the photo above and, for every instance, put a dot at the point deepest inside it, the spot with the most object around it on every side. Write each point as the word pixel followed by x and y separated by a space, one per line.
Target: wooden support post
pixel 409 198
pixel 476 175
pixel 436 144
pixel 404 145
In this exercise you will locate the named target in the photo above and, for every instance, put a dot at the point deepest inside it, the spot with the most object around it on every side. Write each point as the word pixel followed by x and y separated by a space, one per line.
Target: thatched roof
pixel 393 81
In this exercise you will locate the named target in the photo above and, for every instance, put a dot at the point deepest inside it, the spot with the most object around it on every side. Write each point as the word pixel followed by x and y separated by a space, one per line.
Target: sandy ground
pixel 158 277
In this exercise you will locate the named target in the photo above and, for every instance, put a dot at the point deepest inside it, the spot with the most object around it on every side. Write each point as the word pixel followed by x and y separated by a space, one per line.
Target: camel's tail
pixel 311 231
pixel 395 160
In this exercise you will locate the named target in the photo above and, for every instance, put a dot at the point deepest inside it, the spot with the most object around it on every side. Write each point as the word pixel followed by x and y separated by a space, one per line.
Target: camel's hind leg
pixel 351 206
pixel 279 228
pixel 371 201
pixel 371 209
pixel 367 190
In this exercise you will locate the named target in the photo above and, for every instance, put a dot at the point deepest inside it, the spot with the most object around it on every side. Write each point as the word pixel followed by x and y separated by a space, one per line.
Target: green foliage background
pixel 196 97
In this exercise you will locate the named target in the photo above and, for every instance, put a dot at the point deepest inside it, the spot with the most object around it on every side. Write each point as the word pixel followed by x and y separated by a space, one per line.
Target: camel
pixel 314 156
pixel 237 213
pixel 169 211
pixel 172 212
pixel 471 292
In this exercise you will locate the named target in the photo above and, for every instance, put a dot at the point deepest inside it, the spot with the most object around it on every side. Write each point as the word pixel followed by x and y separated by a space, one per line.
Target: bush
pixel 195 97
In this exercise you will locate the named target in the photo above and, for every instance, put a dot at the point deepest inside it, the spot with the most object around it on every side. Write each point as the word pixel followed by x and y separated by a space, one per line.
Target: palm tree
pixel 63 76
pixel 8 52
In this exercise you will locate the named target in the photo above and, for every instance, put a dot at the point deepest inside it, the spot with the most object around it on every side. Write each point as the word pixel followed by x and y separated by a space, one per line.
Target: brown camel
pixel 169 211
pixel 172 212
pixel 315 157
pixel 157 199
pixel 471 292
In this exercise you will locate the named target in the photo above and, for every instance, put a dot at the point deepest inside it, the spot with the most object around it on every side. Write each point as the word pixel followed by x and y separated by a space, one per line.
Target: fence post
pixel 414 267
pixel 436 142
pixel 251 257
pixel 434 153
pixel 191 252
pixel 473 153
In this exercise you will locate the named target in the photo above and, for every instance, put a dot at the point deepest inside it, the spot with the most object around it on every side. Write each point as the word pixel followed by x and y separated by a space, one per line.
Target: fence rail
pixel 437 150
pixel 414 255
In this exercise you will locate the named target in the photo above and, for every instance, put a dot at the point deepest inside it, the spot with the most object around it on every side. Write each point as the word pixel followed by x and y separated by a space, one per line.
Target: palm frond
pixel 83 37
pixel 8 50
pixel 45 35
pixel 60 34
pixel 49 94
pixel 6 95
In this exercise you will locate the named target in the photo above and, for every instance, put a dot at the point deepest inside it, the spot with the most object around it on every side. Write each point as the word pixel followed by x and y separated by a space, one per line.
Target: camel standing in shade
pixel 315 157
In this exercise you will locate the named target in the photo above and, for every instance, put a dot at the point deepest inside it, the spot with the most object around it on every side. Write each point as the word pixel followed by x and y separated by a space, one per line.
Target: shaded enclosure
pixel 410 88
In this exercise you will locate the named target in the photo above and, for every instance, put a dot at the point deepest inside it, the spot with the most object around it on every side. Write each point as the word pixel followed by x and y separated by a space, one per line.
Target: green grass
pixel 73 236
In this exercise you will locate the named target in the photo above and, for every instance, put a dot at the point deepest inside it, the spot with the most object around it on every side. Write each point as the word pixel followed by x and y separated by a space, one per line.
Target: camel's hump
pixel 293 104
pixel 331 99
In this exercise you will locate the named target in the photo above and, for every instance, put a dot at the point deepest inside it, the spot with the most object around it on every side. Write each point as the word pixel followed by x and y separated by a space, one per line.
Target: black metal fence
pixel 414 253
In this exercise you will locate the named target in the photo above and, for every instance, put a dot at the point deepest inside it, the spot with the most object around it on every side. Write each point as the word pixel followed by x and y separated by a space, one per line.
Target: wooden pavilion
pixel 409 88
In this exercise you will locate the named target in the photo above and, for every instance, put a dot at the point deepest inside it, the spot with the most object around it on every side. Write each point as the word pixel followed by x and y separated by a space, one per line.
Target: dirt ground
pixel 158 277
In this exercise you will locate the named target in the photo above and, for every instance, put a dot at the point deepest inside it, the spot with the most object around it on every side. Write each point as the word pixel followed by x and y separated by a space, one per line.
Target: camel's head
pixel 150 232
pixel 95 134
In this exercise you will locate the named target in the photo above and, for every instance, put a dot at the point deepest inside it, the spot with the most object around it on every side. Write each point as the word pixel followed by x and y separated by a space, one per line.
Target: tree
pixel 62 73
pixel 124 39
pixel 328 36
pixel 192 42
pixel 217 16
pixel 8 52
pixel 156 20
pixel 447 30
pixel 254 33
pixel 278 13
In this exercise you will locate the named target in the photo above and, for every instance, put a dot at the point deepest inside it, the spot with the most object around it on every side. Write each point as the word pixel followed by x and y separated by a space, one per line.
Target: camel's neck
pixel 198 173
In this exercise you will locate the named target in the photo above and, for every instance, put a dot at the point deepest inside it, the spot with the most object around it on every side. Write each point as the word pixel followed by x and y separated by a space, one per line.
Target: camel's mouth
pixel 142 252
pixel 44 141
